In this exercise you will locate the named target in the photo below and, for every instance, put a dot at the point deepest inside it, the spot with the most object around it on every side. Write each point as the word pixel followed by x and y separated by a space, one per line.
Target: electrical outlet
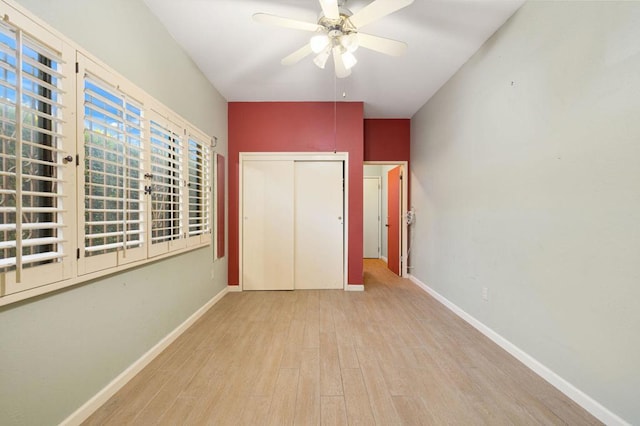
pixel 485 293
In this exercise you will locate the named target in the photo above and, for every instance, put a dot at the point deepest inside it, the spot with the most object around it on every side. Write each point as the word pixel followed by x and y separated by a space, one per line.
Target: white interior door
pixel 319 225
pixel 372 215
pixel 267 228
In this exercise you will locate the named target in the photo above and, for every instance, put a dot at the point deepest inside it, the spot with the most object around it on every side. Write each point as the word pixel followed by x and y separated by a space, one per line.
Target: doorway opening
pixel 385 208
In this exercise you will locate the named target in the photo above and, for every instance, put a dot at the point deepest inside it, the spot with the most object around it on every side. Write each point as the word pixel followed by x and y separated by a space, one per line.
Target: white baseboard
pixel 582 399
pixel 355 287
pixel 234 288
pixel 385 259
pixel 89 407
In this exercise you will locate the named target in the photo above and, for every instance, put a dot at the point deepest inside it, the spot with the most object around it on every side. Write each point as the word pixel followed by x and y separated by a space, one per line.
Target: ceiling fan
pixel 338 33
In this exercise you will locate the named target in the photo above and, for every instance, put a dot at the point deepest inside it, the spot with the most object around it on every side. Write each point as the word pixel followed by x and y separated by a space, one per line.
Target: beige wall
pixel 526 180
pixel 59 350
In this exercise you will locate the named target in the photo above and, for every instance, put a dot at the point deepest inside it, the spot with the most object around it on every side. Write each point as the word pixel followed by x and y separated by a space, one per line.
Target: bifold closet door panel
pixel 319 225
pixel 267 228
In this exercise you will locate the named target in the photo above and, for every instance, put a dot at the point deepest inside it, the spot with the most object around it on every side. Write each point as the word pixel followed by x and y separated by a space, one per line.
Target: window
pixel 33 201
pixel 199 187
pixel 95 175
pixel 166 186
pixel 113 135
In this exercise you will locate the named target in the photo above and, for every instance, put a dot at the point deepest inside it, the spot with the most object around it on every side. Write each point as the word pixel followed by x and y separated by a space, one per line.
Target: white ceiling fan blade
pixel 265 18
pixel 376 10
pixel 341 69
pixel 382 45
pixel 330 9
pixel 297 55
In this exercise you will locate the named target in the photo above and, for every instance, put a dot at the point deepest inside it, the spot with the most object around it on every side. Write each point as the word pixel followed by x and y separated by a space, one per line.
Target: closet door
pixel 267 229
pixel 319 225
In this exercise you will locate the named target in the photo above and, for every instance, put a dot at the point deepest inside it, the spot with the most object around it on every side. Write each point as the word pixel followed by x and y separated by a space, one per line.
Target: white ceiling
pixel 241 58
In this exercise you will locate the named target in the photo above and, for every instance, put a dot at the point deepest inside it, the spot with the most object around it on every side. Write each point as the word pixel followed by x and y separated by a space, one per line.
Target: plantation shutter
pixel 114 232
pixel 33 218
pixel 199 188
pixel 96 176
pixel 166 185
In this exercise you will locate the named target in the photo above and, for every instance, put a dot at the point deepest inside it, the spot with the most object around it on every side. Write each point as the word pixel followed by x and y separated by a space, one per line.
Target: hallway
pixel 388 355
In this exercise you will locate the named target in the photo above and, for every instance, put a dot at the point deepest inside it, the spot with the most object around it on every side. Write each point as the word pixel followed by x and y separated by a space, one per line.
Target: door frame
pixel 296 156
pixel 404 229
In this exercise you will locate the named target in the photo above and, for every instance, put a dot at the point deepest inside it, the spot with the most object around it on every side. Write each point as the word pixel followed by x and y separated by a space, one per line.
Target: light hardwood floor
pixel 390 355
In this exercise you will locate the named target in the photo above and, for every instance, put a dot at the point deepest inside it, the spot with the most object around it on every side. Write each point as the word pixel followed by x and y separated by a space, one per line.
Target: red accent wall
pixel 387 139
pixel 298 127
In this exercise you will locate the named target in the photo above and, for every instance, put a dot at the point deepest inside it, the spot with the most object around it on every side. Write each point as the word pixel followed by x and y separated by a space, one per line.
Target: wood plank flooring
pixel 390 355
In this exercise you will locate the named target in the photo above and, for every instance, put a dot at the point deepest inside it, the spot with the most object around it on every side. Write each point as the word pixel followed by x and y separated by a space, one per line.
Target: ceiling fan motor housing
pixel 336 28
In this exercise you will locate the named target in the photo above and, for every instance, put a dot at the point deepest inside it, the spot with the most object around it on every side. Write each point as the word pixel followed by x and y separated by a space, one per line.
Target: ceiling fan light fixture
pixel 349 59
pixel 341 70
pixel 319 43
pixel 349 42
pixel 321 59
